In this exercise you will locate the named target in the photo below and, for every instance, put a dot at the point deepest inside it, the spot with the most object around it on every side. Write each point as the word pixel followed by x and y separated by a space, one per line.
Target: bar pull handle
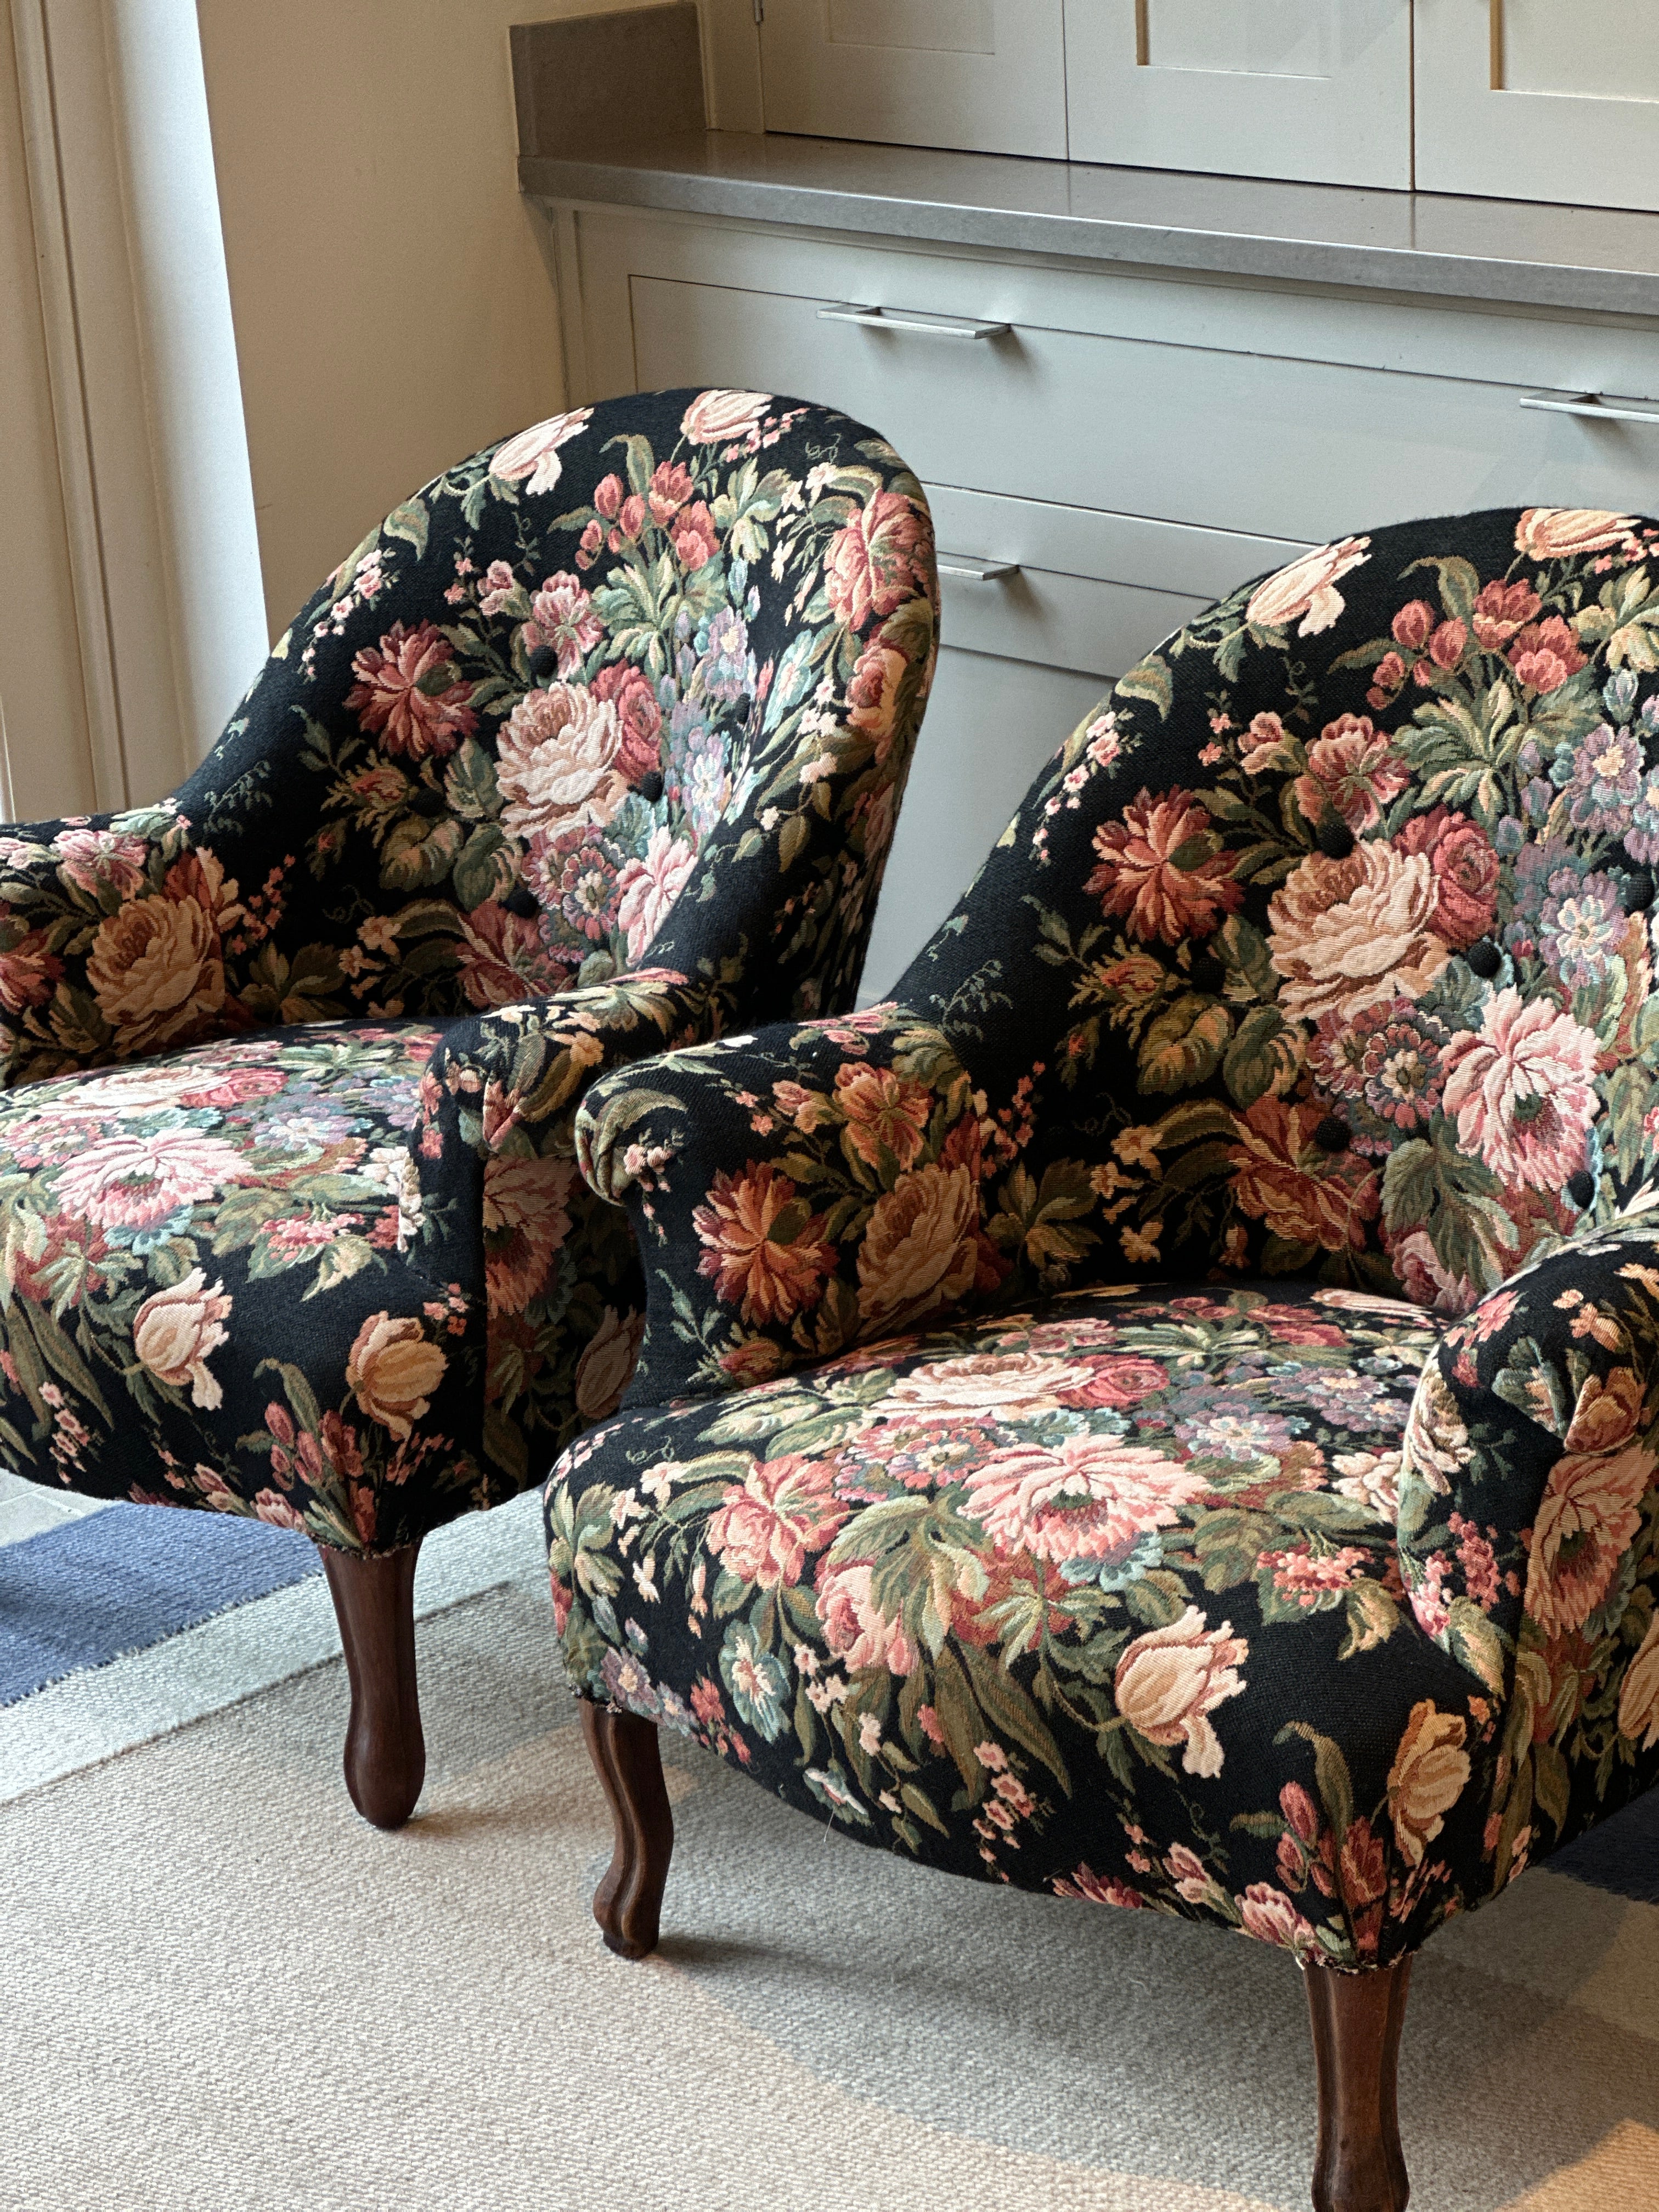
pixel 970 564
pixel 1590 405
pixel 932 327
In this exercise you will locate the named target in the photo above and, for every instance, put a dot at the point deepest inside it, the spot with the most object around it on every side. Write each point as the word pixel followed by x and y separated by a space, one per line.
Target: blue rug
pixel 122 1580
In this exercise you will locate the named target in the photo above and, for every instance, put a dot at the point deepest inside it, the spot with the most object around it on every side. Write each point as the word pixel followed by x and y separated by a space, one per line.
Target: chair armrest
pixel 795 1191
pixel 110 935
pixel 1528 1518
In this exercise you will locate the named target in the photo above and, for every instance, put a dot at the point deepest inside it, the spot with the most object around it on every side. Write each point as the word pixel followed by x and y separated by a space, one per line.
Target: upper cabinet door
pixel 1533 100
pixel 1315 89
pixel 988 76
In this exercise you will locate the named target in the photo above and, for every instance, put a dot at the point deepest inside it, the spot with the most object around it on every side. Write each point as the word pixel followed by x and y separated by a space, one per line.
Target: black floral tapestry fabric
pixel 1166 1409
pixel 593 747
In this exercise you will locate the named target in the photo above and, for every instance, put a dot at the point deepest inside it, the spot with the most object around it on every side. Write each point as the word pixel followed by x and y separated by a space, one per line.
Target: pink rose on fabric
pixel 1347 933
pixel 29 972
pixel 1424 1279
pixel 556 761
pixel 714 416
pixel 649 887
pixel 765 1526
pixel 1354 772
pixel 562 614
pixel 1466 873
pixel 1501 610
pixel 534 454
pixel 876 562
pixel 695 540
pixel 1170 1680
pixel 400 695
pixel 1165 867
pixel 1544 654
pixel 672 487
pixel 1523 1089
pixel 630 691
pixel 1085 1498
pixel 1306 593
pixel 131 1181
pixel 1016 1385
pixel 91 857
pixel 855 1629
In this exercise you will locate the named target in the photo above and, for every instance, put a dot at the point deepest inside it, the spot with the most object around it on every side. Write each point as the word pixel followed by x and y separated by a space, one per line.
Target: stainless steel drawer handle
pixel 970 564
pixel 941 326
pixel 1589 404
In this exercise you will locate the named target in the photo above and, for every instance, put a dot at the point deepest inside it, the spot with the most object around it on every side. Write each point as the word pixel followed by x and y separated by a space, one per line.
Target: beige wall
pixel 392 304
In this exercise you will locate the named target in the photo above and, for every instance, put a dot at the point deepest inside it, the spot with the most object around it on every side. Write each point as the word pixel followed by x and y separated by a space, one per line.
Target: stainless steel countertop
pixel 1512 251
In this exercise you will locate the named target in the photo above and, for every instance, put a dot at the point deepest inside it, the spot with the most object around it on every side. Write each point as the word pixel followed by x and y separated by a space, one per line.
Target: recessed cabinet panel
pixel 986 75
pixel 1529 100
pixel 1314 89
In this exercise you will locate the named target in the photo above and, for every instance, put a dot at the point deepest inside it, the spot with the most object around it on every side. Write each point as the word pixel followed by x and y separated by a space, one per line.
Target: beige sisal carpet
pixel 218 1989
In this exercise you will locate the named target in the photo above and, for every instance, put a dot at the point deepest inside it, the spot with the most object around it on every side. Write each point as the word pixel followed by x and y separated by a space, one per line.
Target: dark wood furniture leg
pixel 627 1902
pixel 373 1594
pixel 1357 2019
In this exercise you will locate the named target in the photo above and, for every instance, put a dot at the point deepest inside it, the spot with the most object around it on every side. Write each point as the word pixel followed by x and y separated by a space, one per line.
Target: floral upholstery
pixel 1258 1521
pixel 593 747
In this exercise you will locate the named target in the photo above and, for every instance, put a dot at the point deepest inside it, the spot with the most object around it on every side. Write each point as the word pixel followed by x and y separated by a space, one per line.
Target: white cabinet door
pixel 1532 100
pixel 987 76
pixel 1314 89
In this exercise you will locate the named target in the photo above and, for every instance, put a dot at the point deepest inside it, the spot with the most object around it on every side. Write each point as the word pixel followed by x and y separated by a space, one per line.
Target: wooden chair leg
pixel 1357 2018
pixel 627 1902
pixel 374 1595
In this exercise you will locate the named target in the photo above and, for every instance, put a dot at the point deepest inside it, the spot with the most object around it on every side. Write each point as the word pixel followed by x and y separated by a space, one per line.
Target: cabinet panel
pixel 1239 442
pixel 990 725
pixel 1314 90
pixel 986 75
pixel 1518 100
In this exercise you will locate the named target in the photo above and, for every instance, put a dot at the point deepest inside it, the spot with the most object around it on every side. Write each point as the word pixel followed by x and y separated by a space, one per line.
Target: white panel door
pixel 1314 89
pixel 1533 100
pixel 987 76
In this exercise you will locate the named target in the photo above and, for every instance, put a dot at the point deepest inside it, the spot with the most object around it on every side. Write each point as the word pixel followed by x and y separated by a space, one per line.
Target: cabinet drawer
pixel 1246 442
pixel 1080 589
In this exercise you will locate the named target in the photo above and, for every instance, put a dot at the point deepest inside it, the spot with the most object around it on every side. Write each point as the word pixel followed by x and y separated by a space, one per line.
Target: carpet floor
pixel 223 1991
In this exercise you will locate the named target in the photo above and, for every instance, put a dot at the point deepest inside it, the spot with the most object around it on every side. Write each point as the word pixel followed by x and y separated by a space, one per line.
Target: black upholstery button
pixel 521 901
pixel 1333 1135
pixel 1484 958
pixel 1639 898
pixel 651 786
pixel 542 662
pixel 1581 1189
pixel 1334 839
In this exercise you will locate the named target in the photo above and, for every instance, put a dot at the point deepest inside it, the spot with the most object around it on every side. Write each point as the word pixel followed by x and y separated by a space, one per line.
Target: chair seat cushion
pixel 210 1296
pixel 1101 1598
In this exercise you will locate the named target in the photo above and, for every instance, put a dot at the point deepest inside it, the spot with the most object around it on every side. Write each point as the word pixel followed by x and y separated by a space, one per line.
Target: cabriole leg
pixel 1357 2019
pixel 627 1902
pixel 374 1595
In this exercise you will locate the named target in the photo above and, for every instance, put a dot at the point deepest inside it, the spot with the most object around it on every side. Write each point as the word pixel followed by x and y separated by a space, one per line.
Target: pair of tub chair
pixel 1162 1413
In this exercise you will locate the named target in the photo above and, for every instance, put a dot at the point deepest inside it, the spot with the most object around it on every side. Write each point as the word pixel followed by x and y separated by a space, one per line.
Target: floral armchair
pixel 1165 1412
pixel 593 747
